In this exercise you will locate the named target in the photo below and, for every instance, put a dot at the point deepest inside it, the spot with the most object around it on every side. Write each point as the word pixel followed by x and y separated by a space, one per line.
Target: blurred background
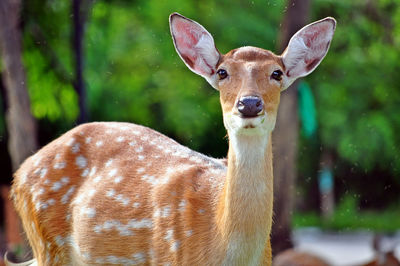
pixel 336 144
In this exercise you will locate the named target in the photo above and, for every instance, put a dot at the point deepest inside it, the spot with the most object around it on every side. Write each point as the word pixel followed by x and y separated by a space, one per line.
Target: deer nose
pixel 250 106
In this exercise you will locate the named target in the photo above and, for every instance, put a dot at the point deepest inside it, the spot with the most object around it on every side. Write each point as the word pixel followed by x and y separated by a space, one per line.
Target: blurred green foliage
pixel 47 57
pixel 132 73
pixel 349 217
pixel 357 86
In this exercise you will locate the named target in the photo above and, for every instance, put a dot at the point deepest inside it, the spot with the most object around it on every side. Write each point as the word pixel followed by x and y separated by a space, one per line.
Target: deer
pixel 110 193
pixel 293 257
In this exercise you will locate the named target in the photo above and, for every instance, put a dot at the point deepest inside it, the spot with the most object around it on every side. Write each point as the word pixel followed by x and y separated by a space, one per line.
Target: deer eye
pixel 222 73
pixel 277 75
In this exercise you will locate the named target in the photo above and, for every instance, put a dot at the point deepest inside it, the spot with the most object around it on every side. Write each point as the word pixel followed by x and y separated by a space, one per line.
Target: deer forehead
pixel 249 69
pixel 254 55
pixel 250 53
pixel 251 63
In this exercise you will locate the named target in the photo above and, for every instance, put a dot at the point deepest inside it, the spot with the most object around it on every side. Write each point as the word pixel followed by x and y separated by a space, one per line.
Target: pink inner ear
pixel 307 48
pixel 187 35
pixel 188 31
pixel 195 46
pixel 310 38
pixel 317 40
pixel 313 37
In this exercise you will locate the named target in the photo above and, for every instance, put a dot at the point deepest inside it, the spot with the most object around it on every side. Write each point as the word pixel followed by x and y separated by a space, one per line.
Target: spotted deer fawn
pixel 123 194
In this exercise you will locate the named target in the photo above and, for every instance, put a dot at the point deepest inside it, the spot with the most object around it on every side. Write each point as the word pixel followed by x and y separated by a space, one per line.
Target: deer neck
pixel 245 205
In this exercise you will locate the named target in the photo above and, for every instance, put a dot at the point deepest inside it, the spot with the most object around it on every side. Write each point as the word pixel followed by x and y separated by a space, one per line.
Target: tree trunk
pixel 285 137
pixel 80 9
pixel 21 126
pixel 20 123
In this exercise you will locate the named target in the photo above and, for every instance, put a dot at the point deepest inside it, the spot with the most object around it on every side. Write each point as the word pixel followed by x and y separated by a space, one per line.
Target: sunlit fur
pixel 123 194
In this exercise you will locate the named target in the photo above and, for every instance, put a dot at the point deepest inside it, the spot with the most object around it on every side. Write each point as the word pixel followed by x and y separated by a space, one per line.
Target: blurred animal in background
pixel 292 257
pixel 384 255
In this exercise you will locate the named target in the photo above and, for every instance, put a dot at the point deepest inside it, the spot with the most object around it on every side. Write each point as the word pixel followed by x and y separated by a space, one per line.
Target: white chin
pixel 259 125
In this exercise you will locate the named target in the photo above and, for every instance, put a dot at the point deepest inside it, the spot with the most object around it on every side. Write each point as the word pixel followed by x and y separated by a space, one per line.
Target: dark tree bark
pixel 285 137
pixel 80 9
pixel 21 126
pixel 20 123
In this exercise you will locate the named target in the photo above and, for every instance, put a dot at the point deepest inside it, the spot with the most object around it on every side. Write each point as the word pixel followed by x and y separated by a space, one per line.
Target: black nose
pixel 250 106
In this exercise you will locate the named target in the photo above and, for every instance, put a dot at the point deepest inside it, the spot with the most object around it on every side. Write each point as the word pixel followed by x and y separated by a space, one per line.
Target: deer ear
pixel 195 46
pixel 307 48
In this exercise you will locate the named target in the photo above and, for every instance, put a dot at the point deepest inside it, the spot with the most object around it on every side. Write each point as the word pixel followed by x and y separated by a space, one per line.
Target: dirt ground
pixel 346 248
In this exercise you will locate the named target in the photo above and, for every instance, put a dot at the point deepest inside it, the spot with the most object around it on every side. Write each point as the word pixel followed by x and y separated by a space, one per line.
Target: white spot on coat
pixel 24 177
pixel 132 143
pixel 41 205
pixel 59 241
pixel 155 181
pixel 43 172
pixel 90 212
pixel 76 148
pixel 92 192
pixel 70 141
pixel 140 257
pixel 60 165
pixel 81 161
pixel 66 196
pixel 188 233
pixel 182 205
pixel 118 179
pixel 145 138
pixel 37 160
pixel 175 246
pixel 97 179
pixel 79 198
pixel 110 193
pixel 85 172
pixel 41 191
pixel 165 212
pixel 112 172
pixel 169 235
pixel 56 186
pixel 93 171
pixel 123 229
pixel 108 163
